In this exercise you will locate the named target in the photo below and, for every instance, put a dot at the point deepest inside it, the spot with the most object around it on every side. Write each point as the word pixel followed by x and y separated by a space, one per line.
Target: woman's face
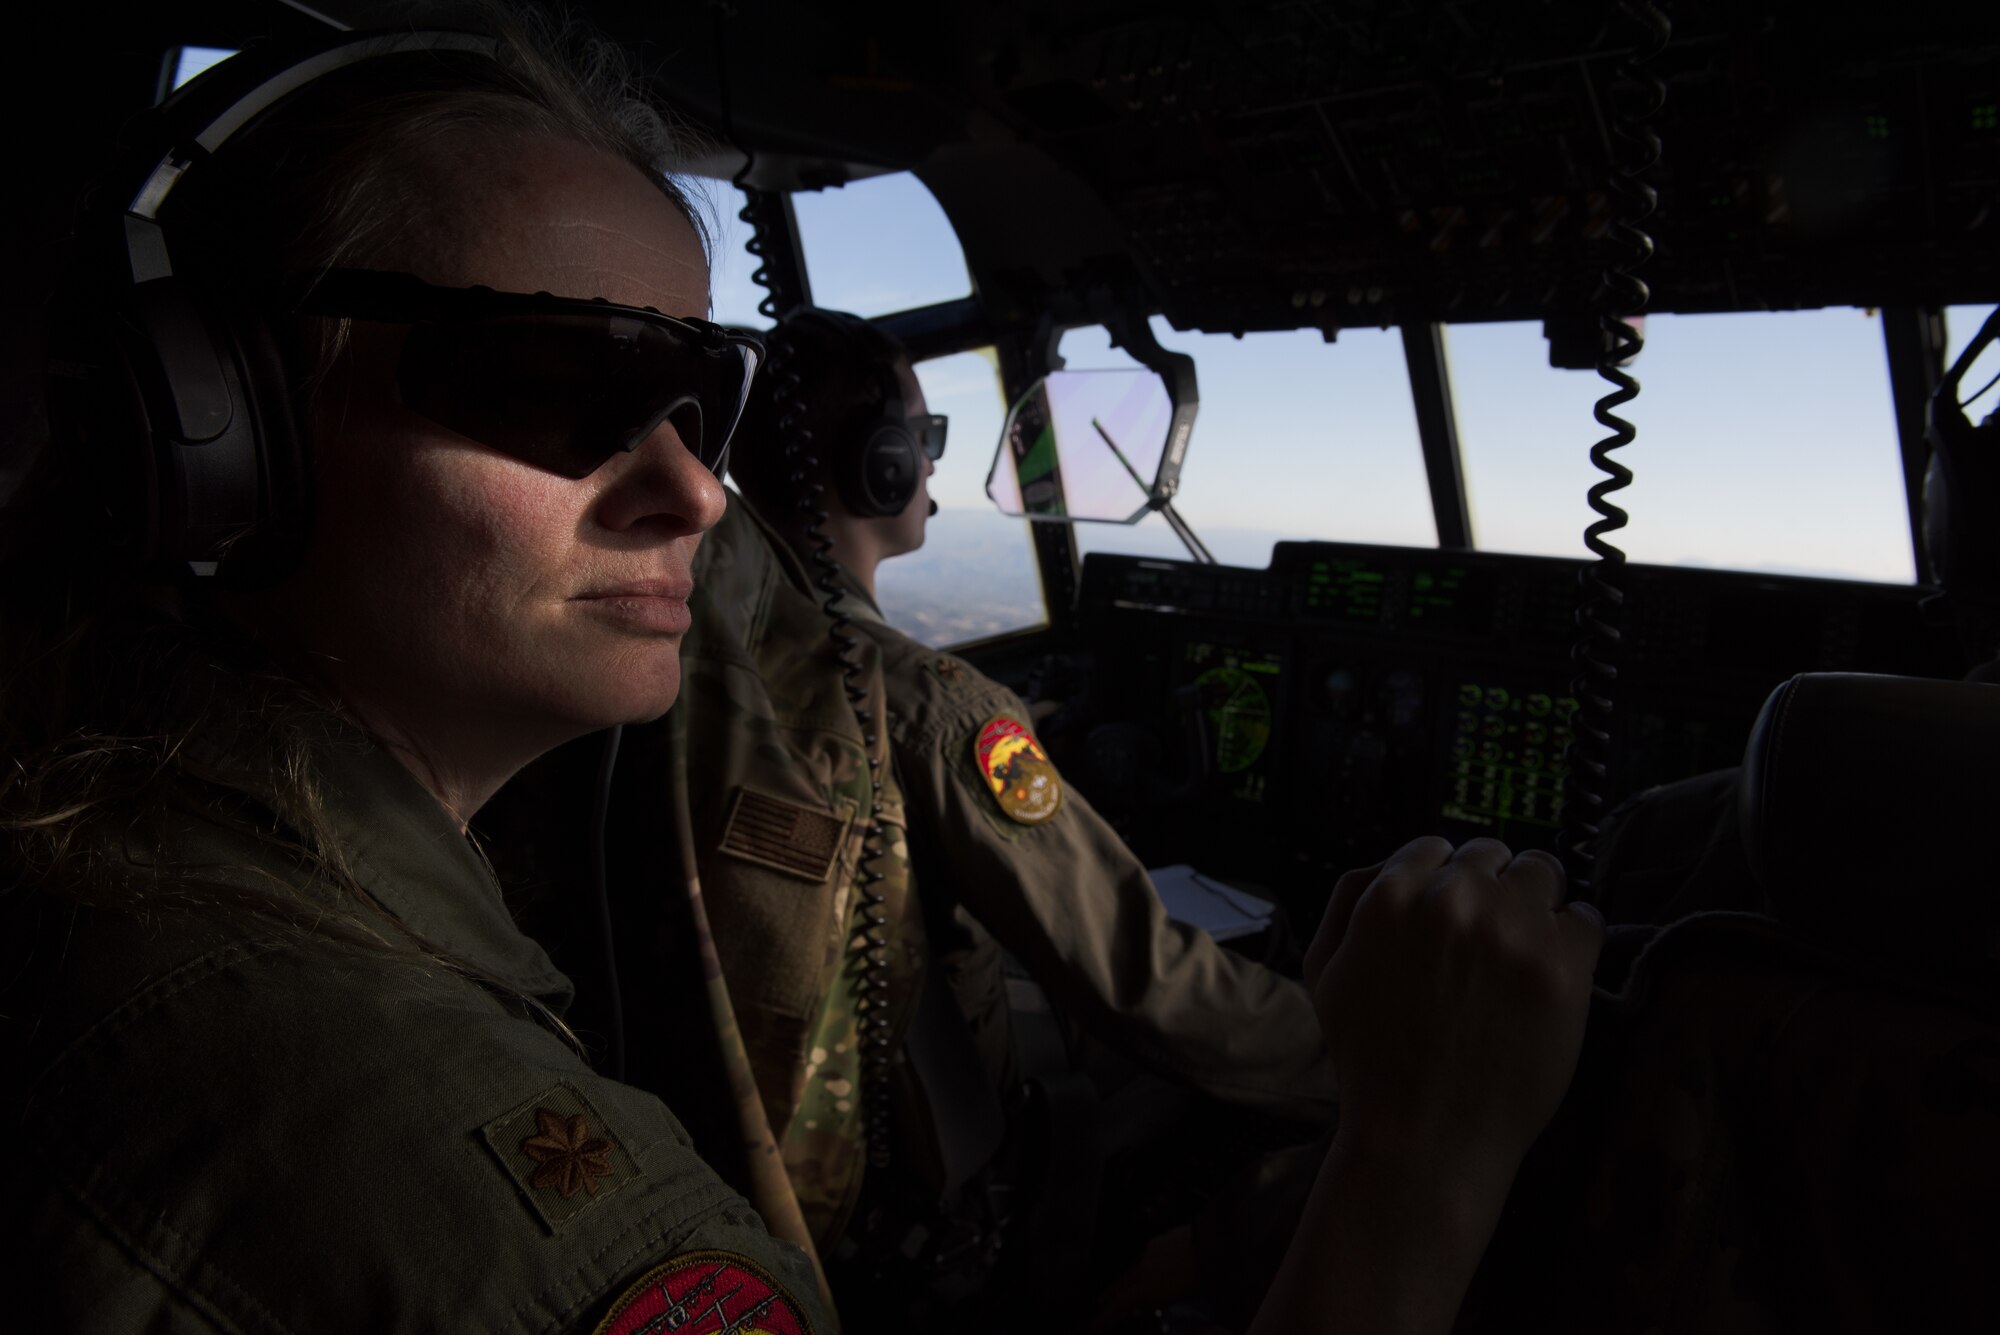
pixel 457 596
pixel 907 529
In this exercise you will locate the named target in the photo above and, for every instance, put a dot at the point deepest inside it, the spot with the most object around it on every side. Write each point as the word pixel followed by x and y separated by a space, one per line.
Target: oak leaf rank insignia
pixel 563 1156
pixel 1017 771
pixel 570 1159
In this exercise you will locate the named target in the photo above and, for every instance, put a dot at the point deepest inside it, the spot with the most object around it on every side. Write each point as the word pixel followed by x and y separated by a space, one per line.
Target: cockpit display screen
pixel 1430 598
pixel 1452 598
pixel 1347 589
pixel 1237 692
pixel 1504 751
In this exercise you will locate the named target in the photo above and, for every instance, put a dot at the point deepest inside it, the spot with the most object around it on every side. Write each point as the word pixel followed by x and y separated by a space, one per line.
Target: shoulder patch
pixel 561 1154
pixel 1017 771
pixel 948 669
pixel 706 1293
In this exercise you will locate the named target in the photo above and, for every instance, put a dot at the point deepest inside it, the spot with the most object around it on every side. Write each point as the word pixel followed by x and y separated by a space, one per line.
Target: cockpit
pixel 1373 419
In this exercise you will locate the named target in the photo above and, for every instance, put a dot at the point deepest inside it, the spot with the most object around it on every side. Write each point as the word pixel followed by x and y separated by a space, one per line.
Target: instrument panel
pixel 1279 724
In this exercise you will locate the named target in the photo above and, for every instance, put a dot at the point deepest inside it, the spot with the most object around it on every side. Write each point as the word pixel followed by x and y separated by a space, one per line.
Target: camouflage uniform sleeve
pixel 336 1140
pixel 1053 882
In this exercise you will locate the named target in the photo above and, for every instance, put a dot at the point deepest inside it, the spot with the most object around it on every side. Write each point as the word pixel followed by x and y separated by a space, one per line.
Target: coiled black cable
pixel 1624 294
pixel 868 958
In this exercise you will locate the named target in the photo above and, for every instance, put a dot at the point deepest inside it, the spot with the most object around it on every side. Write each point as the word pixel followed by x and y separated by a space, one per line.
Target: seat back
pixel 1869 810
pixel 1791 1121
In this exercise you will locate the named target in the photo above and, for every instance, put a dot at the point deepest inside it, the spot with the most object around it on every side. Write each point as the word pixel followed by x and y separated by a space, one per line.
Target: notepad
pixel 1222 911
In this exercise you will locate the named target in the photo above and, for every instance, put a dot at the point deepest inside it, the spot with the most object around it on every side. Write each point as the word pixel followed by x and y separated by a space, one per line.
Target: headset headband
pixel 145 242
pixel 882 350
pixel 185 427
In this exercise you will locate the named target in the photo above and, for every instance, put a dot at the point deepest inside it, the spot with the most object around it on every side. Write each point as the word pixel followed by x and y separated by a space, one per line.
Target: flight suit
pixel 352 1116
pixel 763 713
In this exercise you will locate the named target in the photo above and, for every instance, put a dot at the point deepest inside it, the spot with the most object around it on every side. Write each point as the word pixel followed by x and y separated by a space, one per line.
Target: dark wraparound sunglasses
pixel 561 383
pixel 929 429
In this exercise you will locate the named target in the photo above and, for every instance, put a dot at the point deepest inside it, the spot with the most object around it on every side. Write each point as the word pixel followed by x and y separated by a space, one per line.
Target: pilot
pixel 284 1057
pixel 278 1054
pixel 881 836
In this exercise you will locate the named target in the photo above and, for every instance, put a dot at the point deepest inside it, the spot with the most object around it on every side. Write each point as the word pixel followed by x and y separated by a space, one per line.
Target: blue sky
pixel 1766 440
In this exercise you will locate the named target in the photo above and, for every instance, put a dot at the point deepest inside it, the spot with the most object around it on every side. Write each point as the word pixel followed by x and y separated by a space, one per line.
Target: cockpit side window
pixel 733 296
pixel 879 245
pixel 874 247
pixel 184 62
pixel 1767 442
pixel 975 576
pixel 1296 439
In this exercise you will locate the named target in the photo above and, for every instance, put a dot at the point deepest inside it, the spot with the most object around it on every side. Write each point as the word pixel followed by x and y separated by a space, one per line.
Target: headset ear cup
pixel 203 425
pixel 136 384
pixel 270 549
pixel 101 439
pixel 201 400
pixel 876 463
pixel 887 470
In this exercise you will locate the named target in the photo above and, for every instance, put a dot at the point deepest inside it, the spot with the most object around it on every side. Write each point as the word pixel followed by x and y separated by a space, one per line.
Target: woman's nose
pixel 663 481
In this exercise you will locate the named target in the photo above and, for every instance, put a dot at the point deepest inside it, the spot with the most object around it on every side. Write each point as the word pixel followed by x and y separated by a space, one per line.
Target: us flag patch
pixel 783 836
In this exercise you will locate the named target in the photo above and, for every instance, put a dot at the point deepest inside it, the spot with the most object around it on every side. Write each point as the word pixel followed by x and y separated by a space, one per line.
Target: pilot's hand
pixel 1453 986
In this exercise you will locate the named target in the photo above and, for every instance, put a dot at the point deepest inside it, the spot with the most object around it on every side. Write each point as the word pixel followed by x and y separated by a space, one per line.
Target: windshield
pixel 1767 441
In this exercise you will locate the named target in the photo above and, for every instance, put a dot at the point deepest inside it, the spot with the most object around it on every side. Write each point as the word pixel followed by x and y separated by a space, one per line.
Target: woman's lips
pixel 656 606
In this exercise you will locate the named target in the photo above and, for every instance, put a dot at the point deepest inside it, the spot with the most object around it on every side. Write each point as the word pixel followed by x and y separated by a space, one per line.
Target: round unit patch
pixel 705 1293
pixel 1019 772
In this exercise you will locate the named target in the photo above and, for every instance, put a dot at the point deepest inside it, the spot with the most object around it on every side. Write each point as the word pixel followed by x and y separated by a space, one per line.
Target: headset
pixel 1962 492
pixel 877 463
pixel 170 399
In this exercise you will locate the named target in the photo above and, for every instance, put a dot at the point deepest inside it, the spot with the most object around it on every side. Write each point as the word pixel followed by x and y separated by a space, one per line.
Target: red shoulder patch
pixel 705 1293
pixel 1017 771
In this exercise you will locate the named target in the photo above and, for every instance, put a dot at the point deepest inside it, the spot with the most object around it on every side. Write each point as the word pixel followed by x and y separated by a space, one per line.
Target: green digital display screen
pixel 1450 598
pixel 1346 590
pixel 1238 692
pixel 1504 753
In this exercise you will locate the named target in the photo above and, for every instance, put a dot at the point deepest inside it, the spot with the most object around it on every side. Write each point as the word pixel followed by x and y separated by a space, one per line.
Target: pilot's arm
pixel 1042 871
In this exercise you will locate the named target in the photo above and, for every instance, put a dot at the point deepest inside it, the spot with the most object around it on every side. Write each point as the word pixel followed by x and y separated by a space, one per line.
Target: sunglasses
pixel 929 429
pixel 559 383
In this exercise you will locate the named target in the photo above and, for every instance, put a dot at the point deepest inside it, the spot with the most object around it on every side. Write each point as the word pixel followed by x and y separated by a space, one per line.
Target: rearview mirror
pixel 1086 445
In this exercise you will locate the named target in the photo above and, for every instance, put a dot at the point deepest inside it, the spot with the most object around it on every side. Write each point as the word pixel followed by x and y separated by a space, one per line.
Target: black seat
pixel 1868 807
pixel 1787 1115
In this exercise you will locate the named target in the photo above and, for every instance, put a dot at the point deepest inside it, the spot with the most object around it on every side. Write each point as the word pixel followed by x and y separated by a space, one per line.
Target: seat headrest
pixel 1869 808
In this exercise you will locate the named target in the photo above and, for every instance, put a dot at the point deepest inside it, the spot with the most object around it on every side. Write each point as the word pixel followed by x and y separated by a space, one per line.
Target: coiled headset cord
pixel 1601 602
pixel 869 946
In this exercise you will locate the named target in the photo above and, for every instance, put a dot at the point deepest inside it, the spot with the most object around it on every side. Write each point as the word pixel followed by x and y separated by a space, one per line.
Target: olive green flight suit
pixel 223 1121
pixel 763 713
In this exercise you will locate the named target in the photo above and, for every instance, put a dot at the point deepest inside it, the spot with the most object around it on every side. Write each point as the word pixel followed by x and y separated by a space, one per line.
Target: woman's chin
pixel 635 684
pixel 639 702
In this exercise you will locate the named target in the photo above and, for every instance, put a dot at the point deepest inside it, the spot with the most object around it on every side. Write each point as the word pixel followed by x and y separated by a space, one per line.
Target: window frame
pixel 1913 344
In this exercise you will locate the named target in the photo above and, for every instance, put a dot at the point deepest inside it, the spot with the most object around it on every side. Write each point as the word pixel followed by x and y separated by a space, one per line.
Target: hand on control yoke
pixel 1453 985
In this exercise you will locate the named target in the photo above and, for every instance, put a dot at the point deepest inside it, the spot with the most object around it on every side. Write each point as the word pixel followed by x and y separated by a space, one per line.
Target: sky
pixel 1766 440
